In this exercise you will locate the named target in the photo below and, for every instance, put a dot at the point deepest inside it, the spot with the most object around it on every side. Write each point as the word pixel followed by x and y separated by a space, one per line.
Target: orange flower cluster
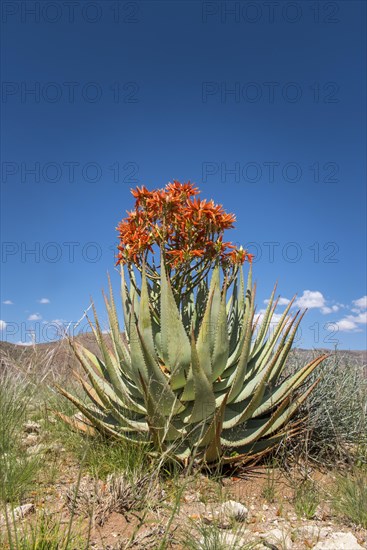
pixel 186 227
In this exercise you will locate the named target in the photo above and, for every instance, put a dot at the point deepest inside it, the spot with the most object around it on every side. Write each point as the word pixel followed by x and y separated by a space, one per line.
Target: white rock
pixel 234 510
pixel 339 541
pixel 23 510
pixel 278 538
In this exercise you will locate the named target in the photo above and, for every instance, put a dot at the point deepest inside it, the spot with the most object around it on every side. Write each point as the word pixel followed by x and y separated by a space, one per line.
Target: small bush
pixel 336 411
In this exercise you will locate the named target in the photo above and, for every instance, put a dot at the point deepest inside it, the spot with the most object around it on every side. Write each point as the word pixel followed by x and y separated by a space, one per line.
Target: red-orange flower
pixel 188 228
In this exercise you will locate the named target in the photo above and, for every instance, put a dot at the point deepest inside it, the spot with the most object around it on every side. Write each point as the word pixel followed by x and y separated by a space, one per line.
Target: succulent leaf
pixel 192 380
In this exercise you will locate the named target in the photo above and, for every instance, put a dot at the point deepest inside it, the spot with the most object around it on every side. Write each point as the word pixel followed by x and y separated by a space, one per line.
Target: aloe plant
pixel 195 376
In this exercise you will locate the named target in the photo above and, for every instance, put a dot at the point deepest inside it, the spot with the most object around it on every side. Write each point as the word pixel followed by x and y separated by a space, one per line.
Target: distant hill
pixel 57 356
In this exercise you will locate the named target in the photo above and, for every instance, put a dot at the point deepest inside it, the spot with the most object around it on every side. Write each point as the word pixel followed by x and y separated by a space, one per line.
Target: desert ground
pixel 64 490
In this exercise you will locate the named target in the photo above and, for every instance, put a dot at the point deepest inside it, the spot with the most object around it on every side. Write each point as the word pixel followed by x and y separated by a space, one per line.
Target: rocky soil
pixel 251 511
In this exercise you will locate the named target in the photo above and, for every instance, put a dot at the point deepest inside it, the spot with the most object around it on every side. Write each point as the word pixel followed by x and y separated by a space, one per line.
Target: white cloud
pixel 361 317
pixel 311 299
pixel 8 302
pixel 332 309
pixel 314 299
pixel 274 320
pixel 347 325
pixel 35 317
pixel 281 301
pixel 351 323
pixel 2 324
pixel 44 301
pixel 361 303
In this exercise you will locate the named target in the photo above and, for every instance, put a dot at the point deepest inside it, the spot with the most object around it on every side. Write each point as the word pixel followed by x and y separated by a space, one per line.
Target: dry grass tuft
pixel 98 499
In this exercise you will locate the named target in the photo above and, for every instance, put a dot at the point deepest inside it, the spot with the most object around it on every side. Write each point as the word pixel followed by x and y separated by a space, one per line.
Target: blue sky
pixel 262 105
